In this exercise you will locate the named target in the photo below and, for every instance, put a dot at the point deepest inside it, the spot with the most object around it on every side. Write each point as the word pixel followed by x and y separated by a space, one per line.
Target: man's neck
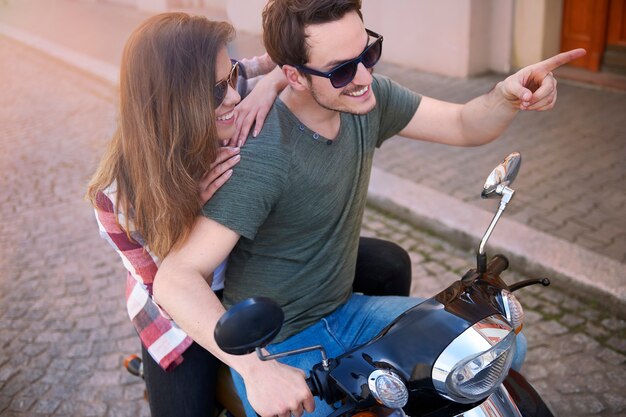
pixel 320 120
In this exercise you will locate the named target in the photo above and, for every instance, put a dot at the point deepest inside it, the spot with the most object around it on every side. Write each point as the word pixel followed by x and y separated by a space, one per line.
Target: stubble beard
pixel 344 109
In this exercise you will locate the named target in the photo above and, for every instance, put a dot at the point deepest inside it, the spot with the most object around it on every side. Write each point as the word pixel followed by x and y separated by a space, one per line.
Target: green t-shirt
pixel 297 200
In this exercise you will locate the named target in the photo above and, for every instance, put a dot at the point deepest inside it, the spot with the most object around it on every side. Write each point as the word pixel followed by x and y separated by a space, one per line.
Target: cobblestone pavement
pixel 63 328
pixel 62 325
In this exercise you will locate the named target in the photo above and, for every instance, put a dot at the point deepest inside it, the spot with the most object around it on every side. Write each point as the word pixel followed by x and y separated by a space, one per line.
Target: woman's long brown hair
pixel 166 137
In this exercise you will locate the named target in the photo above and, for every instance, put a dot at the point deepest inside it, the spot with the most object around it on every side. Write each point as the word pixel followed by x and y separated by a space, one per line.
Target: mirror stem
pixel 481 263
pixel 507 195
pixel 325 362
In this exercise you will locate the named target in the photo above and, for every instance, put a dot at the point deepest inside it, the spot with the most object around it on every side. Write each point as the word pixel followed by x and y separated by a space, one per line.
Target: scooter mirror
pixel 502 176
pixel 252 323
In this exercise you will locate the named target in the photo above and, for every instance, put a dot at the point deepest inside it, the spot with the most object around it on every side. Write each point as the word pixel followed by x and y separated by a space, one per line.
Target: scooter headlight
pixel 477 376
pixel 513 310
pixel 388 388
pixel 468 378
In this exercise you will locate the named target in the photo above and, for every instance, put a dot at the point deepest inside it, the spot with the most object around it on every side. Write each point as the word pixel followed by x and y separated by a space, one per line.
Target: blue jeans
pixel 352 324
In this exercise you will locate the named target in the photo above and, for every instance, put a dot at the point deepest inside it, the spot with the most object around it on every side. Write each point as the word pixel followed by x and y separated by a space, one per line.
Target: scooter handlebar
pixel 312 386
pixel 497 264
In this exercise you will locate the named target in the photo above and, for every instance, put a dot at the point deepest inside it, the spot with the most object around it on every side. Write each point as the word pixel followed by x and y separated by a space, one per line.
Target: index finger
pixel 563 58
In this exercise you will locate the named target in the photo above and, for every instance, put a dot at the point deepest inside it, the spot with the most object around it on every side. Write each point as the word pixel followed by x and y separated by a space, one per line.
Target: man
pixel 294 205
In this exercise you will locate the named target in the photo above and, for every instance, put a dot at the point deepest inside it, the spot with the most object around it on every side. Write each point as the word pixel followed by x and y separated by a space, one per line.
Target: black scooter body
pixel 411 344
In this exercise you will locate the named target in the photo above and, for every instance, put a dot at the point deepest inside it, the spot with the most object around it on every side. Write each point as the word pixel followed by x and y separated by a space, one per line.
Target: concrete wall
pixel 537 31
pixel 457 38
pixel 246 17
pixel 431 35
pixel 499 35
pixel 158 6
pixel 155 6
pixel 452 37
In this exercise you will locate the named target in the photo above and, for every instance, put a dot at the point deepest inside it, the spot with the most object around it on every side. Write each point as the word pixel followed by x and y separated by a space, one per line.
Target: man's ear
pixel 295 78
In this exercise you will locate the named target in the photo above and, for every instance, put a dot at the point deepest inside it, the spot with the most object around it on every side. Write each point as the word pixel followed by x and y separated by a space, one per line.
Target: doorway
pixel 599 26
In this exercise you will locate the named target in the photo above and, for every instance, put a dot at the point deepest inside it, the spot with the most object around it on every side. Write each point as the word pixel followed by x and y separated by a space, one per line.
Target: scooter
pixel 448 356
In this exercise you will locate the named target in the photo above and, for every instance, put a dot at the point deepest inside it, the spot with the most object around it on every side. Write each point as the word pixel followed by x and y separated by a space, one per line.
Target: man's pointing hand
pixel 534 87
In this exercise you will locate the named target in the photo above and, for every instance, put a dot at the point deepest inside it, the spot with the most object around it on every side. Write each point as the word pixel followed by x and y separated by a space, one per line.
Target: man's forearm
pixel 272 388
pixel 533 88
pixel 474 123
pixel 189 300
pixel 181 286
pixel 485 118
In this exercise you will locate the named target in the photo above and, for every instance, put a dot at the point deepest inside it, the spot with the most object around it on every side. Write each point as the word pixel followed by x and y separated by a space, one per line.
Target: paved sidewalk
pixel 63 330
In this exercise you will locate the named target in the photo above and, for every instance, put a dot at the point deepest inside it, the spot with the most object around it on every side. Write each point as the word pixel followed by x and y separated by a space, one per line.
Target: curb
pixel 100 69
pixel 572 268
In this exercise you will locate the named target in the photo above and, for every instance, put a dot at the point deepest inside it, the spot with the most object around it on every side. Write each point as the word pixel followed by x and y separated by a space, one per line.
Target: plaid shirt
pixel 159 334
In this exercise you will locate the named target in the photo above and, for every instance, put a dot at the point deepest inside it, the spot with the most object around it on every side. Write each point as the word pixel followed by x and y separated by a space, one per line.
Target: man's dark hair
pixel 285 22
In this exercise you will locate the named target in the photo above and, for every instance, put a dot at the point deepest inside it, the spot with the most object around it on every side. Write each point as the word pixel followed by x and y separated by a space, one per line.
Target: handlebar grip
pixel 312 386
pixel 497 264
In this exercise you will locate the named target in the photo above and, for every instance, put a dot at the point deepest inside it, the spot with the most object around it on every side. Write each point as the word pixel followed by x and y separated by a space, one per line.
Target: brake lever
pixel 543 281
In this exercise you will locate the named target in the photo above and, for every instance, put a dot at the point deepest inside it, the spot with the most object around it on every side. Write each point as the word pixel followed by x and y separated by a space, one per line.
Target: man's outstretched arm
pixel 484 118
pixel 181 288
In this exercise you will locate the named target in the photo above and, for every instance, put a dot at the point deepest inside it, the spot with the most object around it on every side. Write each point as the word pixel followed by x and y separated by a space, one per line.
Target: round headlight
pixel 476 377
pixel 513 310
pixel 476 362
pixel 388 389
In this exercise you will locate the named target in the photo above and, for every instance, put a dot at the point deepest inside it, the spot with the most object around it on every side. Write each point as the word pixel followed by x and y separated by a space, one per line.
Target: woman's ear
pixel 295 79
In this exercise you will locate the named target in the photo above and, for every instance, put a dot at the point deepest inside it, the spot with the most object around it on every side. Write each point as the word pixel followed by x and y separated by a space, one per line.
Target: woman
pixel 177 105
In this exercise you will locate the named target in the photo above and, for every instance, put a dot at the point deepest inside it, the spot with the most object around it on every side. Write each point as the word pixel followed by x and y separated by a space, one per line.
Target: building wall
pixel 459 38
pixel 248 18
pixel 452 37
pixel 537 31
pixel 430 35
pixel 158 6
pixel 499 35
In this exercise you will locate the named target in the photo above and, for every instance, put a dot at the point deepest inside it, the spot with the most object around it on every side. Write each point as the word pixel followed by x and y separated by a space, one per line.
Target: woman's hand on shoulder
pixel 221 170
pixel 253 109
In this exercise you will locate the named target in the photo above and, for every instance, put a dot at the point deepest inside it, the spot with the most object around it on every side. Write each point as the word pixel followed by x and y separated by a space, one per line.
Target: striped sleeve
pixel 136 258
pixel 162 338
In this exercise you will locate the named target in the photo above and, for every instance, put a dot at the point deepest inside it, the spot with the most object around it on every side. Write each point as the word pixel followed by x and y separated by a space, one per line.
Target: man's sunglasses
pixel 221 88
pixel 343 74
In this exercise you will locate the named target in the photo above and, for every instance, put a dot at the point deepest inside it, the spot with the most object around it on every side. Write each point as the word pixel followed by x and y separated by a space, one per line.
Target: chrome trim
pixel 474 340
pixel 507 195
pixel 396 412
pixel 499 404
pixel 371 382
pixel 504 302
pixel 508 298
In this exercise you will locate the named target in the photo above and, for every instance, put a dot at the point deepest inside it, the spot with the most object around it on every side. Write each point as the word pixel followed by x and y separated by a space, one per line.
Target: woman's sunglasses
pixel 221 88
pixel 343 74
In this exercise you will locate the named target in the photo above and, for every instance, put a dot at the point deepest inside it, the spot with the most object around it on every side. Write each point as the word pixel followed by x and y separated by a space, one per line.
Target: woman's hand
pixel 221 170
pixel 253 109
